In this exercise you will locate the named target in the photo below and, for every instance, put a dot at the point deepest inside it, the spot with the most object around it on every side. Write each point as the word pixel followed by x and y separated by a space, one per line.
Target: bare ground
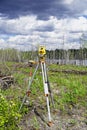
pixel 72 119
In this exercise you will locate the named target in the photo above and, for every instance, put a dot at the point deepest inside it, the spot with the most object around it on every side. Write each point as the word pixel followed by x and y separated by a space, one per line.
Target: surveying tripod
pixel 47 90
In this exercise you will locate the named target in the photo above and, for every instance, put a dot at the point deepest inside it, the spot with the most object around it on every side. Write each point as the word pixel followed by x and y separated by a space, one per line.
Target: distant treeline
pixel 21 56
pixel 71 54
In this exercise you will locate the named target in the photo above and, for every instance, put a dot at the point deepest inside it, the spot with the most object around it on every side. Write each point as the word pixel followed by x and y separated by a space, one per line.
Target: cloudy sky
pixel 53 23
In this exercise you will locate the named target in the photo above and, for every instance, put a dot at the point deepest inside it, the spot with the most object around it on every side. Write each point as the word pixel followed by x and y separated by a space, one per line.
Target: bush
pixel 9 117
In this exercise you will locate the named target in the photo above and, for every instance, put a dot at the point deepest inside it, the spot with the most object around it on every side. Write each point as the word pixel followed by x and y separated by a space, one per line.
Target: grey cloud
pixel 78 7
pixel 42 8
pixel 45 28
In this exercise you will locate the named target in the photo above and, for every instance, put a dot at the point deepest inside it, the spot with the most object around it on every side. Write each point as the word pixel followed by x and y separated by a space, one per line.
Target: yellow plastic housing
pixel 42 51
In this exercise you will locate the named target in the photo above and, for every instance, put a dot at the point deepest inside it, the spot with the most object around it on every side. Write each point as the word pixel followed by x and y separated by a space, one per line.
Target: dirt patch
pixel 72 119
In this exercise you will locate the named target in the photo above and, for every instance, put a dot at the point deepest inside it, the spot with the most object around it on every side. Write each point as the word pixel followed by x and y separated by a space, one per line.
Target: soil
pixel 72 119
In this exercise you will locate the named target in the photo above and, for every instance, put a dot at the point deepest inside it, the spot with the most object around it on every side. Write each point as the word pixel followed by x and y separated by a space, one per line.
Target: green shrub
pixel 9 117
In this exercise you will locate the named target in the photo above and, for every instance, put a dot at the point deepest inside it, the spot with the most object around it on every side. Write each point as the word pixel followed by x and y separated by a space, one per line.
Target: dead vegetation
pixel 6 81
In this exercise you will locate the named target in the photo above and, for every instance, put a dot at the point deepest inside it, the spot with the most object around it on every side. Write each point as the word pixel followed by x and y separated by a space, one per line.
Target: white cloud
pixel 79 24
pixel 68 1
pixel 2 44
pixel 28 30
pixel 21 25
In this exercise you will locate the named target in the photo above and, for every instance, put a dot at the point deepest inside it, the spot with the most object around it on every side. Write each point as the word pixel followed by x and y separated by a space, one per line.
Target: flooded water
pixel 72 62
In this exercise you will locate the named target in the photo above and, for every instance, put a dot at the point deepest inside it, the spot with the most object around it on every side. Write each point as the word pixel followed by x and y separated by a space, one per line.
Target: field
pixel 69 89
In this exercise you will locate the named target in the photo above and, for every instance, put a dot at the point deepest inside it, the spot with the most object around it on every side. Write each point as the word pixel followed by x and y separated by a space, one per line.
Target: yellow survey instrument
pixel 42 51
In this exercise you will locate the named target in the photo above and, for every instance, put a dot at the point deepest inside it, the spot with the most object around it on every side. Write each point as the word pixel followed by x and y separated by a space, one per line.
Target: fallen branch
pixel 6 81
